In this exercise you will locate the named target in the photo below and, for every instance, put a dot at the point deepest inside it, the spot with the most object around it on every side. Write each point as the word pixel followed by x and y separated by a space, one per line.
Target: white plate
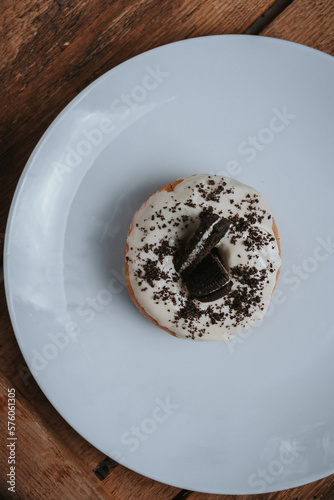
pixel 252 415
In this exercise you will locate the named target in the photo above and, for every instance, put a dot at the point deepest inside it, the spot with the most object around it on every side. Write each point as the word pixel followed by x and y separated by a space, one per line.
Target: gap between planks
pixel 263 21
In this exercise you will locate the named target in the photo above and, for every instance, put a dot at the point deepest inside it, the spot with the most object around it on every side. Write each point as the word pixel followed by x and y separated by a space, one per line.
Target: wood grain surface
pixel 39 449
pixel 51 50
pixel 310 22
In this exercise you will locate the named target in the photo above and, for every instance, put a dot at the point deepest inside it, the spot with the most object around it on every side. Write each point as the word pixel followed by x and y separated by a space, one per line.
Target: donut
pixel 202 257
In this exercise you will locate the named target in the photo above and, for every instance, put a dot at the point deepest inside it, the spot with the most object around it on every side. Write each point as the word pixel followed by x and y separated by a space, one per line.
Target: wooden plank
pixel 310 22
pixel 123 483
pixel 44 466
pixel 52 50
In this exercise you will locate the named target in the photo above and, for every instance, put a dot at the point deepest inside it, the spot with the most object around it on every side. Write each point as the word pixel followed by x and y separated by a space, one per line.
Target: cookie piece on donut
pixel 209 280
pixel 211 230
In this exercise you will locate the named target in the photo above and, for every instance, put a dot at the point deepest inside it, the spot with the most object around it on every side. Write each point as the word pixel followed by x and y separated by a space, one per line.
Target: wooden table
pixel 51 50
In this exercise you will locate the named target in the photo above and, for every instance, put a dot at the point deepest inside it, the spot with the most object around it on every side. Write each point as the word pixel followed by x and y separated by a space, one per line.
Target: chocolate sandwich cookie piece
pixel 218 294
pixel 210 280
pixel 211 230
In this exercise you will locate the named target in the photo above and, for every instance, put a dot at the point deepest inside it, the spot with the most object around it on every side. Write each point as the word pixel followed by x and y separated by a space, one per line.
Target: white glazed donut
pixel 250 251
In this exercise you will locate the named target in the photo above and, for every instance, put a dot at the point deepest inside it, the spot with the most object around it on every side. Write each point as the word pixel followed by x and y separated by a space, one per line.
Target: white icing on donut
pixel 248 250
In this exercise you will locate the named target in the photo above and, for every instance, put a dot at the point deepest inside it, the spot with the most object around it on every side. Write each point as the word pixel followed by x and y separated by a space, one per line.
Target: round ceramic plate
pixel 255 414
